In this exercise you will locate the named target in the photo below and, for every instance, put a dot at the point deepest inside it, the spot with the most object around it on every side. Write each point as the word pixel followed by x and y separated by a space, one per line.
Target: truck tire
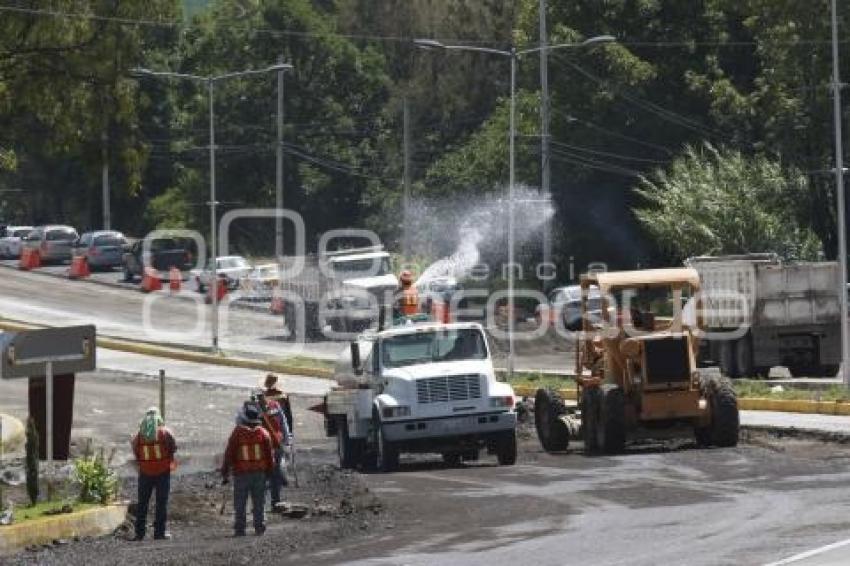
pixel 345 446
pixel 830 370
pixel 128 275
pixel 506 448
pixel 551 431
pixel 386 453
pixel 728 359
pixel 590 409
pixel 451 459
pixel 725 420
pixel 612 432
pixel 744 357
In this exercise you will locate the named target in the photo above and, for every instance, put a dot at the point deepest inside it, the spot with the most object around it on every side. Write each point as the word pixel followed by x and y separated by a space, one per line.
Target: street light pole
pixel 513 54
pixel 210 82
pixel 213 218
pixel 545 163
pixel 511 242
pixel 278 226
pixel 839 188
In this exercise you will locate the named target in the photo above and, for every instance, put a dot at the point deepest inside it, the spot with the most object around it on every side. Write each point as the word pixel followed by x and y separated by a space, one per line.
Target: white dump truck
pixel 420 387
pixel 772 313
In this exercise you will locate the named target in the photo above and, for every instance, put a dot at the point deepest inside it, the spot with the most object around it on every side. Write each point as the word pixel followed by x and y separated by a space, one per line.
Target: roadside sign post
pixel 49 354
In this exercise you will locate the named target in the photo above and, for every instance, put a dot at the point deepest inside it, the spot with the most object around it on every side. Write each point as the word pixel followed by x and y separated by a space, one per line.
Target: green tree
pixel 715 201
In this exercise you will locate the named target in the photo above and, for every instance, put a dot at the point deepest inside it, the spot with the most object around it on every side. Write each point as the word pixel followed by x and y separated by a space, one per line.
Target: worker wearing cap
pixel 276 423
pixel 407 302
pixel 249 455
pixel 154 448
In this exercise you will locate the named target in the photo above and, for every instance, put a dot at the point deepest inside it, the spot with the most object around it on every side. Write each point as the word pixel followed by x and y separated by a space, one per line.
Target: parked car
pixel 103 249
pixel 233 268
pixel 53 242
pixel 566 303
pixel 164 253
pixel 12 241
pixel 260 283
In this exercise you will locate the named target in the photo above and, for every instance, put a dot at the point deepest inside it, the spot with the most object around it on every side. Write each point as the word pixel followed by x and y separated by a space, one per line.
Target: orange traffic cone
pixel 30 259
pixel 174 279
pixel 277 304
pixel 151 281
pixel 221 291
pixel 79 268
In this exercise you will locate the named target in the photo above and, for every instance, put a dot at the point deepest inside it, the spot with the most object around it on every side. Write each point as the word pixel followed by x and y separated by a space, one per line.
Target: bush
pixel 32 461
pixel 98 482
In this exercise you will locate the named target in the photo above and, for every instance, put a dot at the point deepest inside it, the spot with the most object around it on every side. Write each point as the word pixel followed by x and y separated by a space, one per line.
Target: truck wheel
pixel 612 432
pixel 830 370
pixel 451 459
pixel 386 452
pixel 728 365
pixel 506 448
pixel 553 435
pixel 128 276
pixel 289 322
pixel 724 413
pixel 744 357
pixel 345 446
pixel 590 409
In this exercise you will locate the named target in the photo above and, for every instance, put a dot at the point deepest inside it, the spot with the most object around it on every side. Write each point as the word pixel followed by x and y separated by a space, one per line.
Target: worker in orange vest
pixel 154 448
pixel 407 301
pixel 250 455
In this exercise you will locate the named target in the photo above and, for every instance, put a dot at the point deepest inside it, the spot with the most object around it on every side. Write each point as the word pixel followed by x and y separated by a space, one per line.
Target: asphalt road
pixel 768 499
pixel 124 312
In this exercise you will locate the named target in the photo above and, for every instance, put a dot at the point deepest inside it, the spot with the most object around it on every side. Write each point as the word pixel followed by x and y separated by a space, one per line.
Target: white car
pixel 11 244
pixel 232 267
pixel 260 283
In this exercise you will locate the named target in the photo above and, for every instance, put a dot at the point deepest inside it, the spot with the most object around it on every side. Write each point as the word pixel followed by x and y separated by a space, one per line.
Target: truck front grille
pixel 448 388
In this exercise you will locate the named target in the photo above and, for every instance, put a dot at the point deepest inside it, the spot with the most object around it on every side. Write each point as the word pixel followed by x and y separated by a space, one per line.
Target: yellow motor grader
pixel 636 373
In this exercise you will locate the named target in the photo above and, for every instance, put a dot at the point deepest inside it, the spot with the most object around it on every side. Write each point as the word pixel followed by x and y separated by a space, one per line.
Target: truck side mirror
pixel 355 359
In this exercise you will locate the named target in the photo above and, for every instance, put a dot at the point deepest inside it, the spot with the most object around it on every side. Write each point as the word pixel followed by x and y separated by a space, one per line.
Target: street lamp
pixel 210 81
pixel 513 54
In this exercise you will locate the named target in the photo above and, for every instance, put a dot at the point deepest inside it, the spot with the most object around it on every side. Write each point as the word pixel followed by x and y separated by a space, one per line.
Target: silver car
pixel 103 249
pixel 53 242
pixel 12 243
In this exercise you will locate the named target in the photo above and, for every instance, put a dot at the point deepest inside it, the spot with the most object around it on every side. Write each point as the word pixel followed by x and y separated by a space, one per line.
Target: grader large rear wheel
pixel 591 402
pixel 553 434
pixel 612 433
pixel 723 429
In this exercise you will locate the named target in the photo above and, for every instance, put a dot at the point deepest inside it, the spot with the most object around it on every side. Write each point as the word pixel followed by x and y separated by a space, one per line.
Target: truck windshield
pixel 437 346
pixel 369 267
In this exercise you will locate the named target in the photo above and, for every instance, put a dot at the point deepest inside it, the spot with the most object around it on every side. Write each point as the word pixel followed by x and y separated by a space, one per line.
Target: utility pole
pixel 104 181
pixel 278 222
pixel 406 134
pixel 839 187
pixel 545 164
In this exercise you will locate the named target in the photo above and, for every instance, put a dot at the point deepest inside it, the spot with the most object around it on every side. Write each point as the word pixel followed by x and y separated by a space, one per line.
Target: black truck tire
pixel 345 446
pixel 386 453
pixel 506 448
pixel 725 420
pixel 551 431
pixel 830 370
pixel 591 401
pixel 612 433
pixel 728 359
pixel 744 357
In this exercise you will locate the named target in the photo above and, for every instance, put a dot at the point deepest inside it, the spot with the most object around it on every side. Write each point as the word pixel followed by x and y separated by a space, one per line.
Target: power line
pixel 584 149
pixel 612 133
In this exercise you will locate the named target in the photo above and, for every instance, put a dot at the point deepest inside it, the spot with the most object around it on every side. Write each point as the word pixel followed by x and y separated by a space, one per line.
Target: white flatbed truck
pixel 424 387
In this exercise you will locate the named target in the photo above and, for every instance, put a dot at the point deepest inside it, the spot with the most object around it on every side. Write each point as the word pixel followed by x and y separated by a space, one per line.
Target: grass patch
pixel 745 388
pixel 305 362
pixel 748 388
pixel 43 509
pixel 539 380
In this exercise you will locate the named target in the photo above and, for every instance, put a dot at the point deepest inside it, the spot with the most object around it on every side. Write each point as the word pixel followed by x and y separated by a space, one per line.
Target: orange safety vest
pixel 251 455
pixel 153 457
pixel 409 301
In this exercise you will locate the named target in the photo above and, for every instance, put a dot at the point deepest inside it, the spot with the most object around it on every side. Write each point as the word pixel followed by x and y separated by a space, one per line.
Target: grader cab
pixel 636 373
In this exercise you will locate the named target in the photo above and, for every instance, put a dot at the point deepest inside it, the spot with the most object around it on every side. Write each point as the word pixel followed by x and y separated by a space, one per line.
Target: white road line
pixel 810 553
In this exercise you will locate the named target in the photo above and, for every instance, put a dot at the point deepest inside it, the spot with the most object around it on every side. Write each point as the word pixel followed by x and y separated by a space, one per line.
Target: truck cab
pixel 420 388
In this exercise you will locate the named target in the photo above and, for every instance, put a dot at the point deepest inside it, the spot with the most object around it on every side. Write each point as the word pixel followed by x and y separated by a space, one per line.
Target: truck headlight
pixel 396 412
pixel 505 402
